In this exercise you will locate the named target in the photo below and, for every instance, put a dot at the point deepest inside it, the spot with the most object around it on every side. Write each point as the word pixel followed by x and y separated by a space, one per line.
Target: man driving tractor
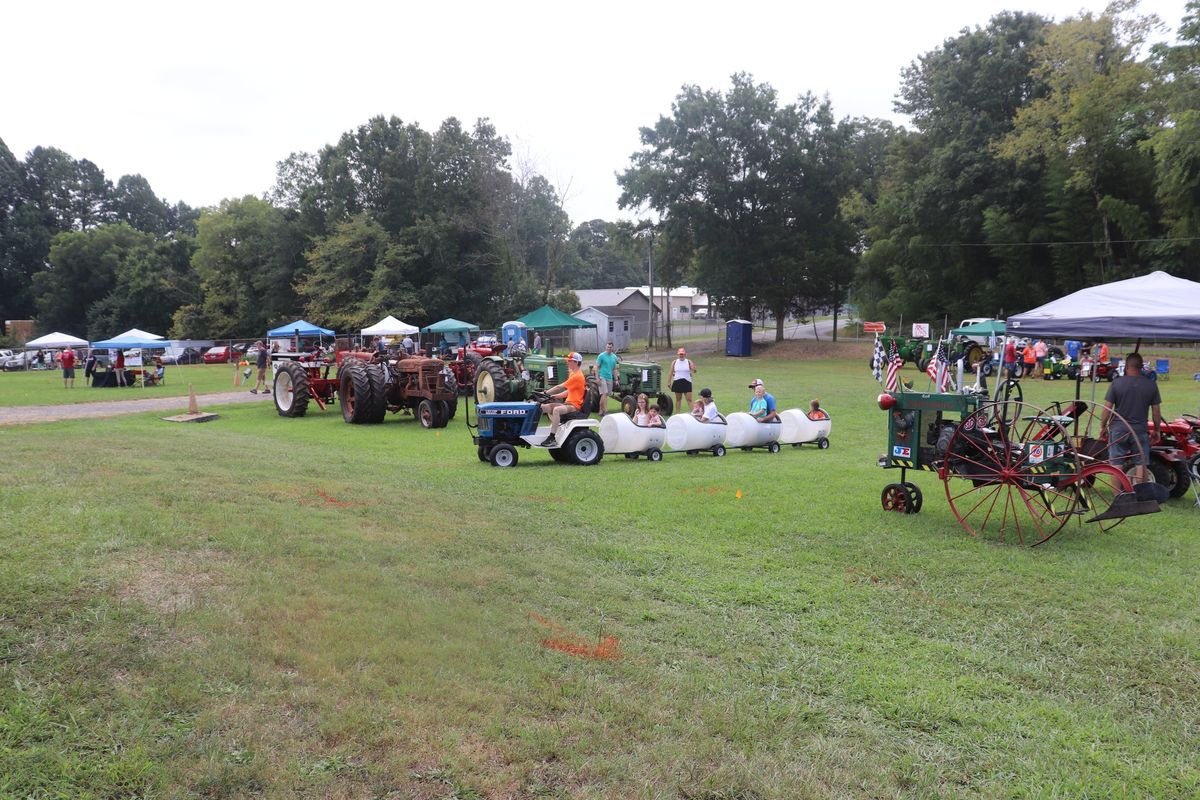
pixel 569 393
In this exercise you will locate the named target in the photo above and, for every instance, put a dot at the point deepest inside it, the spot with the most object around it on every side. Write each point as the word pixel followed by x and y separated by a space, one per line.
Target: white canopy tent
pixel 390 326
pixel 56 339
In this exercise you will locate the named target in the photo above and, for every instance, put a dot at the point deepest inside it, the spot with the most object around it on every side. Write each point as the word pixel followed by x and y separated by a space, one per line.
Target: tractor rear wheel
pixel 354 390
pixel 426 414
pixel 591 398
pixel 666 406
pixel 379 393
pixel 491 384
pixel 584 448
pixel 291 391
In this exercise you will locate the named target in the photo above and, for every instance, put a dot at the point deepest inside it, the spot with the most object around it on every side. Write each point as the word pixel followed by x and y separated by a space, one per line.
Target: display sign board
pixel 920 330
pixel 874 327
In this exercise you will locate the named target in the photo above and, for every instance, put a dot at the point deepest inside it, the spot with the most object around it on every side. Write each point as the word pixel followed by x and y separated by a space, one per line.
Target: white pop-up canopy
pixel 390 326
pixel 56 339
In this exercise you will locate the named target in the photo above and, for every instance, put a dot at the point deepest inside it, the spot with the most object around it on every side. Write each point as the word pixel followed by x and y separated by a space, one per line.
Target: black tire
pixel 560 455
pixel 666 406
pixel 1055 352
pixel 922 364
pixel 1018 371
pixel 584 448
pixel 1183 479
pixel 482 451
pixel 427 415
pixel 591 398
pixel 354 392
pixel 628 405
pixel 1162 473
pixel 971 353
pixel 914 492
pixel 773 447
pixel 290 390
pixel 448 410
pixel 439 414
pixel 451 381
pixel 379 393
pixel 823 443
pixel 473 358
pixel 718 450
pixel 502 455
pixel 491 384
pixel 988 369
pixel 654 454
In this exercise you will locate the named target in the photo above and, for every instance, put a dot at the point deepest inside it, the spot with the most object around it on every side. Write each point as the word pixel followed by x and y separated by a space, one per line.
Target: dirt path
pixel 23 415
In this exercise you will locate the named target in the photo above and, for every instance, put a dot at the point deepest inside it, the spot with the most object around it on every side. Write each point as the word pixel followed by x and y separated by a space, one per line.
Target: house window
pixel 626 325
pixel 610 326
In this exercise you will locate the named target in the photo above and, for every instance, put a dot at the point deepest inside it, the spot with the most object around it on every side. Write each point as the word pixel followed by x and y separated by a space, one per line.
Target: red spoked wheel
pixel 897 497
pixel 1010 472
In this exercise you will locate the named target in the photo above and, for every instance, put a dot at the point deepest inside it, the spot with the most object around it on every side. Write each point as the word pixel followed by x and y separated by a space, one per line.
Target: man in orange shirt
pixel 570 394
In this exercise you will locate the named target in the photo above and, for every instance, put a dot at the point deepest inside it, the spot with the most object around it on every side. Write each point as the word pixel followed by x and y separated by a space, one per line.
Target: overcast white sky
pixel 204 98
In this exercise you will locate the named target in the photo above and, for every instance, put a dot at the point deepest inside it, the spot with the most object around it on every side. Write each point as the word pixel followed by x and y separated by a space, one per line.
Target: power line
pixel 1055 244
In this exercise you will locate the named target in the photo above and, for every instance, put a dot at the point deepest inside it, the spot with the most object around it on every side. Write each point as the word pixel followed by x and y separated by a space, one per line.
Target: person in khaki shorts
pixel 606 375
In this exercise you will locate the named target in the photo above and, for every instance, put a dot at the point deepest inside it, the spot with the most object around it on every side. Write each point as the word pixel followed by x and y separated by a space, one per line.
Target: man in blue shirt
pixel 762 405
pixel 606 375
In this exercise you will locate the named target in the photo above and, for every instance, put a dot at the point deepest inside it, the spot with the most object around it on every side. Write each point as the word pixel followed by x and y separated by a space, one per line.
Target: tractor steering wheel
pixel 540 396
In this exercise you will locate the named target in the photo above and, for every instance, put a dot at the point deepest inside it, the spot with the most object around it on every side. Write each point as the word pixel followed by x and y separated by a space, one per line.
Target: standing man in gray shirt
pixel 1132 396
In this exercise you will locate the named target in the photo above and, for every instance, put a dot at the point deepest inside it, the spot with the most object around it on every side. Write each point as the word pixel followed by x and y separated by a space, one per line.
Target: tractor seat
pixel 574 415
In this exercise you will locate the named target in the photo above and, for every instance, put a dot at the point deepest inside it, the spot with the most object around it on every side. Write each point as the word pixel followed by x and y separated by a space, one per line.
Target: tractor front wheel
pixel 448 409
pixel 628 405
pixel 291 391
pixel 482 451
pixel 896 497
pixel 426 414
pixel 503 455
pixel 666 406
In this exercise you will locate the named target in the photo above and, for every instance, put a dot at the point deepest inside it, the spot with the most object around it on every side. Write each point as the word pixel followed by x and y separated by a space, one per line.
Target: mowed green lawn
pixel 45 387
pixel 304 608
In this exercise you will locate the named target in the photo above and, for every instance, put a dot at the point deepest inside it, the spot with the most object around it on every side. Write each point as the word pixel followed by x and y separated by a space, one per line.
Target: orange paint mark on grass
pixel 333 501
pixel 701 489
pixel 608 648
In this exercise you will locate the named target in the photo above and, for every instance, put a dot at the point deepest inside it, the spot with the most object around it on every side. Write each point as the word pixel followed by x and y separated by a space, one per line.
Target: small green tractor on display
pixel 641 377
pixel 367 386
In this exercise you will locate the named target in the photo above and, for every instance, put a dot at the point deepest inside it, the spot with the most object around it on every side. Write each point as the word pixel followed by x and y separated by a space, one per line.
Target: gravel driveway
pixel 23 415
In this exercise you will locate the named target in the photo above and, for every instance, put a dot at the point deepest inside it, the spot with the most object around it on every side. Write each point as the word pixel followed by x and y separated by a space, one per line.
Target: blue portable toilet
pixel 513 332
pixel 738 337
pixel 1072 346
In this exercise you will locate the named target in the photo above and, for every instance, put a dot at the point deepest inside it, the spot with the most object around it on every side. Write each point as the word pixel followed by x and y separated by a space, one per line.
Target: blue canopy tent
pixel 297 329
pixel 130 339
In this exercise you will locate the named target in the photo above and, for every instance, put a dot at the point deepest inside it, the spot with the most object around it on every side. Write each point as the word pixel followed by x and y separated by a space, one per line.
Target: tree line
pixel 1042 157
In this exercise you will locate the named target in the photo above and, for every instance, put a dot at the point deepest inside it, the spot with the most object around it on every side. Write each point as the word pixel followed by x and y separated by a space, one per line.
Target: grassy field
pixel 304 608
pixel 45 387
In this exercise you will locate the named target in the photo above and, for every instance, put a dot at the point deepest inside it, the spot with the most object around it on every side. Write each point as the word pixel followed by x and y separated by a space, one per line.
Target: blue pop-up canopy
pixel 134 337
pixel 298 328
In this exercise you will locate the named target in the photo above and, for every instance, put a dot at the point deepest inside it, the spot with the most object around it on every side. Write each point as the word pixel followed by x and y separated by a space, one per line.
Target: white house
pixel 684 301
pixel 613 324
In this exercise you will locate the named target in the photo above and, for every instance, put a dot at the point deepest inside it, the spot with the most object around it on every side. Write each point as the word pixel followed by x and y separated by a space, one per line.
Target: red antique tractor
pixel 367 385
pixel 465 363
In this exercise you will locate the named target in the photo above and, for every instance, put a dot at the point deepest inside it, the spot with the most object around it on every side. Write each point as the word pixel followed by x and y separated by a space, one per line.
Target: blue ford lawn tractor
pixel 503 427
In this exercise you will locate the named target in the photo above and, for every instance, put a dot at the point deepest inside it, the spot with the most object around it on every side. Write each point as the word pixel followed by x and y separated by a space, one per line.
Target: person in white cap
pixel 569 397
pixel 762 405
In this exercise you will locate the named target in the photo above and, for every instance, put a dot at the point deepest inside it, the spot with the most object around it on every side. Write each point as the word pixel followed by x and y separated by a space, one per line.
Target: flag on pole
pixel 893 369
pixel 877 360
pixel 939 368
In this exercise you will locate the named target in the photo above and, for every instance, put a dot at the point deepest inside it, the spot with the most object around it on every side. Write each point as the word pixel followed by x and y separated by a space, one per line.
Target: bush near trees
pixel 1042 157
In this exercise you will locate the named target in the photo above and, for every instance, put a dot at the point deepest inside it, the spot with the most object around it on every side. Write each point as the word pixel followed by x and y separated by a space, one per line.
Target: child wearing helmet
pixel 568 397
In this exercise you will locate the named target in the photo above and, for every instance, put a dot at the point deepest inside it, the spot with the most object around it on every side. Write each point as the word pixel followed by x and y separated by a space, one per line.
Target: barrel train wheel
pixel 1009 473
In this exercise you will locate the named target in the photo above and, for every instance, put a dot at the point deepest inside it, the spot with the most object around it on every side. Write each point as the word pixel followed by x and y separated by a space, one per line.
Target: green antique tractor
pixel 641 377
pixel 500 378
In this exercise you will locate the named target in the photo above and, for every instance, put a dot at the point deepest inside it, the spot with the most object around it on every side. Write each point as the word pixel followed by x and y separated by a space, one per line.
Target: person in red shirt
pixel 120 365
pixel 1010 357
pixel 569 393
pixel 68 367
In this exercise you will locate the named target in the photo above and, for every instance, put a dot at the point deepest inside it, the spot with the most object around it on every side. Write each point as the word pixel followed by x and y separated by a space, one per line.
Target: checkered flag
pixel 877 360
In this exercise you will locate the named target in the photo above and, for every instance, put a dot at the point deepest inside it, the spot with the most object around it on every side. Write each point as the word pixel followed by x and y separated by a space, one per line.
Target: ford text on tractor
pixel 367 385
pixel 502 427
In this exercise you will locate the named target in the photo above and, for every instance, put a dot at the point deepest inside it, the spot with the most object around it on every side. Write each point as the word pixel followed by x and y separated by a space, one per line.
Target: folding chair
pixel 1162 367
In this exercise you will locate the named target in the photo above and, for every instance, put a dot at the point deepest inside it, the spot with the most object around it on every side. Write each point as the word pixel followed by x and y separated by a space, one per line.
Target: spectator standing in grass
pixel 606 375
pixel 89 367
pixel 1029 357
pixel 1133 396
pixel 682 372
pixel 68 367
pixel 119 363
pixel 1039 352
pixel 262 358
pixel 537 342
pixel 407 344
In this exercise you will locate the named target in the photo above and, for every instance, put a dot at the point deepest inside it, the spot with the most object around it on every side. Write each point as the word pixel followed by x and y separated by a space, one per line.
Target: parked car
pixel 14 361
pixel 221 354
pixel 185 355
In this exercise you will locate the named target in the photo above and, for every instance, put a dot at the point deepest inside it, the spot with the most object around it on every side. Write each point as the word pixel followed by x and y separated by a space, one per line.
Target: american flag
pixel 939 368
pixel 893 369
pixel 877 360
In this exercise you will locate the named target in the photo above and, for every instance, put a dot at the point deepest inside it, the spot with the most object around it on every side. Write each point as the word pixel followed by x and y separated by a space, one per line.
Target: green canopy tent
pixel 551 319
pixel 451 325
pixel 991 327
